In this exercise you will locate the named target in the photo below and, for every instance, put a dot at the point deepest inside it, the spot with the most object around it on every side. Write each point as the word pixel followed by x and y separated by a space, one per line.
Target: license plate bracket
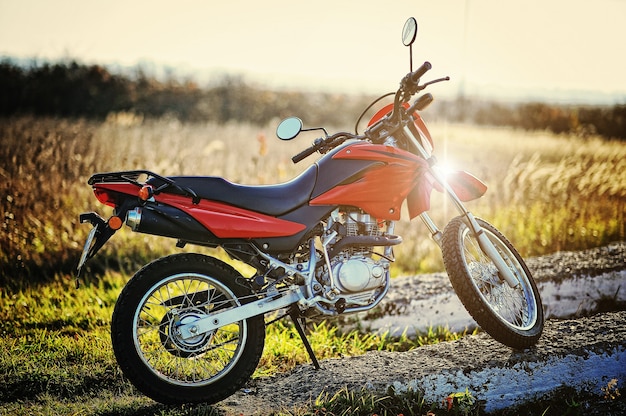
pixel 99 234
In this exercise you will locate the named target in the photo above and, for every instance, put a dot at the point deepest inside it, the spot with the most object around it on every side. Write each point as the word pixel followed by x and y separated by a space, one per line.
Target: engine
pixel 359 274
pixel 353 268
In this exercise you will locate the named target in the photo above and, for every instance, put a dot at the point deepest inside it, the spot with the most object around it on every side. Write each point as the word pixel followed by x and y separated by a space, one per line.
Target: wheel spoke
pixel 511 315
pixel 512 305
pixel 173 291
pixel 182 300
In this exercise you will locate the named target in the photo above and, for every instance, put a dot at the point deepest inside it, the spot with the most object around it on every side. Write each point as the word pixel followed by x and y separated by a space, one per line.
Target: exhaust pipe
pixel 168 221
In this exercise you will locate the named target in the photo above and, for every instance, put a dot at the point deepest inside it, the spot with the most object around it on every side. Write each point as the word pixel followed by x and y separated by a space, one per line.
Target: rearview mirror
pixel 289 128
pixel 409 31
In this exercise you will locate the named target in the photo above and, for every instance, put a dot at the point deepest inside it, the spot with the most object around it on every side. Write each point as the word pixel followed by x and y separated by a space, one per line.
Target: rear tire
pixel 512 316
pixel 167 368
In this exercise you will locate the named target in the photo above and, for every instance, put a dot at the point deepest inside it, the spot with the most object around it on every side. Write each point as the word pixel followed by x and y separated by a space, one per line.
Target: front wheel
pixel 176 290
pixel 511 315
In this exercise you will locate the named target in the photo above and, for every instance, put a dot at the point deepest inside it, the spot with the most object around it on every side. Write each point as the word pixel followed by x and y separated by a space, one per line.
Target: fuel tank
pixel 373 177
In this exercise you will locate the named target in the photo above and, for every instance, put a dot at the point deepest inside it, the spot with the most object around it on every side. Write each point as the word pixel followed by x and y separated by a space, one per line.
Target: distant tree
pixel 92 91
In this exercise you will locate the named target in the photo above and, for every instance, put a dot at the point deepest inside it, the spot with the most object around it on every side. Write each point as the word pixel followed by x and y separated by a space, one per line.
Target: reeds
pixel 546 192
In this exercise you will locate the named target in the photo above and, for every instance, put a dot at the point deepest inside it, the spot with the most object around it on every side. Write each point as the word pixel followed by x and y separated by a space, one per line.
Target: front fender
pixel 465 185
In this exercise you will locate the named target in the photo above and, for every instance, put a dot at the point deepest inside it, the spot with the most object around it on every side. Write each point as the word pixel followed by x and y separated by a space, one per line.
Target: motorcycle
pixel 190 328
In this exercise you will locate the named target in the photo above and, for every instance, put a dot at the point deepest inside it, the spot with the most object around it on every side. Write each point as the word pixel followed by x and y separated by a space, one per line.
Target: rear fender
pixel 115 194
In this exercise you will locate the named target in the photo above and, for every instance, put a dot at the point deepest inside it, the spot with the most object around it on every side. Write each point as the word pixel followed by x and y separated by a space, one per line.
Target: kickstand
pixel 294 317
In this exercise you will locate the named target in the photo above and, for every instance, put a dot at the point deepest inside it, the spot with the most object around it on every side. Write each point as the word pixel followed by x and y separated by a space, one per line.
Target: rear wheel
pixel 511 315
pixel 176 290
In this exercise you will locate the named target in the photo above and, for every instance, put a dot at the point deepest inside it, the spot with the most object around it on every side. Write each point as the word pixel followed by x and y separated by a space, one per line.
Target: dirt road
pixel 582 354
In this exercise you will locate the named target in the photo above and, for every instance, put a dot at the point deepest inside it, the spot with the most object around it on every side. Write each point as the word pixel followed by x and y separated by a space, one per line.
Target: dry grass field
pixel 546 192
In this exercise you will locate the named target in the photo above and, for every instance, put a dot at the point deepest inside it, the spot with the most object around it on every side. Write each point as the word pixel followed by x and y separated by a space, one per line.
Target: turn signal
pixel 146 192
pixel 115 223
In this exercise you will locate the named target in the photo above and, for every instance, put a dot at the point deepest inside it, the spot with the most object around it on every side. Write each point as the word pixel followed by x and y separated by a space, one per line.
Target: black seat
pixel 272 200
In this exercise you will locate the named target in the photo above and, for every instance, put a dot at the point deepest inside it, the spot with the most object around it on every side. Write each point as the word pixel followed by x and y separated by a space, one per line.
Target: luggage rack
pixel 133 176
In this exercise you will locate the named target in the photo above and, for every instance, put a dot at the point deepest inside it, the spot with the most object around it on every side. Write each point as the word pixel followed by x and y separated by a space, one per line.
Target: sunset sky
pixel 510 48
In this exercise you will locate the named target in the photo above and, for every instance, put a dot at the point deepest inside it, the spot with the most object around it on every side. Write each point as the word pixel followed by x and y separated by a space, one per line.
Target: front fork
pixel 485 243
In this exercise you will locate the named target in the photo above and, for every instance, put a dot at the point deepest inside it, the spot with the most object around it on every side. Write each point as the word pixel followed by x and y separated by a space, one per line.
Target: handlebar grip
pixel 421 103
pixel 305 153
pixel 417 74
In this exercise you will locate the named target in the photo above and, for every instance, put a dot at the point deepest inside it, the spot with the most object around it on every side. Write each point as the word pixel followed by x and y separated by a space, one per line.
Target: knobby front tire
pixel 512 316
pixel 177 290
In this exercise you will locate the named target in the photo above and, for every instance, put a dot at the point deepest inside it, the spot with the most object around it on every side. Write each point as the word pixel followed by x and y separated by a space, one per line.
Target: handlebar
pixel 305 153
pixel 325 144
pixel 421 103
pixel 417 74
pixel 408 87
pixel 410 83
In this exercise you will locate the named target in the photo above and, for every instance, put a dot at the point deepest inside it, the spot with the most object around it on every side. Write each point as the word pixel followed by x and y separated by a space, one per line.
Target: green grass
pixel 56 355
pixel 284 350
pixel 56 359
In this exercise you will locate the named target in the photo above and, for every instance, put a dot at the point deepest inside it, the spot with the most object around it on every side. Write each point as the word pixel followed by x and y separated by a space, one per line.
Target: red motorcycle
pixel 190 328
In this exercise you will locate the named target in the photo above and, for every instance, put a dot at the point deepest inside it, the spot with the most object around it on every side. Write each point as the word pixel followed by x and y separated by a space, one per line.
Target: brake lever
pixel 408 94
pixel 434 82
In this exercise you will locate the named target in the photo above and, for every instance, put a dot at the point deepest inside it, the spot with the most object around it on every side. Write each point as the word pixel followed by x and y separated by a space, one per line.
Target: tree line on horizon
pixel 92 91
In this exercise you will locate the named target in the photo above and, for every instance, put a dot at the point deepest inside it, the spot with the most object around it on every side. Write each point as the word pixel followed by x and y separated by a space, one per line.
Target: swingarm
pixel 217 320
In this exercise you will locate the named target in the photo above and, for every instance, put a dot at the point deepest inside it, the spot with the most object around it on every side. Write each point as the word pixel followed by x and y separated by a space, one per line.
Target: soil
pixel 582 354
pixel 572 284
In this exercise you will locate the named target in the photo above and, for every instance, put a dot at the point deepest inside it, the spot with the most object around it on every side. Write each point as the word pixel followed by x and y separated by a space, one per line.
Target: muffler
pixel 168 221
